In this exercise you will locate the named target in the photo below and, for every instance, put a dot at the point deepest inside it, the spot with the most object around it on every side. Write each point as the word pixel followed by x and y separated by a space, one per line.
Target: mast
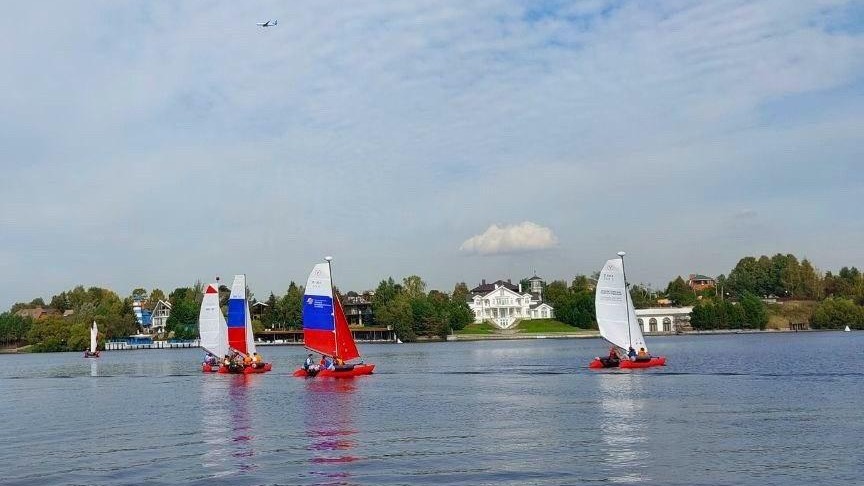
pixel 626 296
pixel 333 311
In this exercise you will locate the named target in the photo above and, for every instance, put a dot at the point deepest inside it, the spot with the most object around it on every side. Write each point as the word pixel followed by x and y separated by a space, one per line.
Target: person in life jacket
pixel 631 353
pixel 308 363
pixel 256 360
pixel 643 354
pixel 247 360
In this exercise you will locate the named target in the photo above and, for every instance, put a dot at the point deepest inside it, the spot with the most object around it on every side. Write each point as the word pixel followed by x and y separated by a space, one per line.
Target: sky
pixel 153 144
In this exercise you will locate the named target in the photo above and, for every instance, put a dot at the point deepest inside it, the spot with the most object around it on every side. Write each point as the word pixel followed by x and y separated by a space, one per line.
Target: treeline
pixel 55 332
pixel 748 313
pixel 574 303
pixel 840 297
pixel 413 312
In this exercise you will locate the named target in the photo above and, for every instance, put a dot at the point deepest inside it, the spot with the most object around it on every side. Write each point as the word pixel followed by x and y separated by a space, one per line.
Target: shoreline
pixel 594 334
pixel 488 337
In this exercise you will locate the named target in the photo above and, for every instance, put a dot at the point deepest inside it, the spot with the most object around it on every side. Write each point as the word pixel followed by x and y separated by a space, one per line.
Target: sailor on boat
pixel 310 366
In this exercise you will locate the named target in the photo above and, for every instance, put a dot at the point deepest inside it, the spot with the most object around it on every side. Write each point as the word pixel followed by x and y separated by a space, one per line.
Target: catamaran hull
pixel 604 363
pixel 626 363
pixel 88 354
pixel 205 368
pixel 357 370
pixel 654 361
pixel 246 370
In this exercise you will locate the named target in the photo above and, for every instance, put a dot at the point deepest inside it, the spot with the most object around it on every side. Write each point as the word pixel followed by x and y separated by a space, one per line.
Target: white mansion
pixel 503 303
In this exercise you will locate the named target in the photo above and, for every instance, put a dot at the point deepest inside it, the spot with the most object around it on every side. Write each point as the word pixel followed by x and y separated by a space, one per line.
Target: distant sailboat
pixel 325 328
pixel 212 328
pixel 240 336
pixel 92 352
pixel 847 329
pixel 616 318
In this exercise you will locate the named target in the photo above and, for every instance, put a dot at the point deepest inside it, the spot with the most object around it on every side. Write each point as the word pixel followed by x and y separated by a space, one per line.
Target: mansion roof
pixel 485 288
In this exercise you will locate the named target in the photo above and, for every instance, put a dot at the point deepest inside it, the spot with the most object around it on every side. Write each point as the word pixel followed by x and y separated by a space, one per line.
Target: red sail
pixel 347 350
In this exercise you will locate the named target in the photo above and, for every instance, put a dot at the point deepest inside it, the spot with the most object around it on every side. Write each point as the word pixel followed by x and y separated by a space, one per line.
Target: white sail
pixel 616 316
pixel 212 328
pixel 847 329
pixel 250 337
pixel 94 330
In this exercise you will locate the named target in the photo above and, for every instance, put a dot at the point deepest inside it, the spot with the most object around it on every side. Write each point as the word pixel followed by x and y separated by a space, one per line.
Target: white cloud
pixel 526 236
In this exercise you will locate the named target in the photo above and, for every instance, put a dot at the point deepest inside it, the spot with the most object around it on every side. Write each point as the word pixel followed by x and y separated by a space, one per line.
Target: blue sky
pixel 154 144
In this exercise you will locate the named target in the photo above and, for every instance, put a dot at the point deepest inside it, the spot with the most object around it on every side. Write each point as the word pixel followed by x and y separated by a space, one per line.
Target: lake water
pixel 756 409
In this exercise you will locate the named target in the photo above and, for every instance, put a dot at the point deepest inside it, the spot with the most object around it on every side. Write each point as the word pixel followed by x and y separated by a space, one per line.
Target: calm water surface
pixel 762 409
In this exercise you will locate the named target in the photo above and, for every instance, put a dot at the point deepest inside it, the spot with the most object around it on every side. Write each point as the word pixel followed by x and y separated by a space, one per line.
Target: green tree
pixel 836 312
pixel 755 313
pixel 156 295
pixel 13 328
pixel 414 286
pixel 398 315
pixel 291 307
pixel 703 317
pixel 269 314
pixel 183 321
pixel 385 293
pixel 643 297
pixel 460 314
pixel 461 292
pixel 680 293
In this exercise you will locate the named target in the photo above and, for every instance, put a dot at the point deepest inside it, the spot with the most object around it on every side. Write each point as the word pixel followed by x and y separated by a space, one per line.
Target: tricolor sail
pixel 94 331
pixel 616 316
pixel 212 327
pixel 325 328
pixel 240 335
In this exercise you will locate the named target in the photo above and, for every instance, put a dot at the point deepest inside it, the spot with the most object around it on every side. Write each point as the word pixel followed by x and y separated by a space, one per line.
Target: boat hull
pixel 205 368
pixel 598 363
pixel 247 370
pixel 649 363
pixel 88 354
pixel 357 370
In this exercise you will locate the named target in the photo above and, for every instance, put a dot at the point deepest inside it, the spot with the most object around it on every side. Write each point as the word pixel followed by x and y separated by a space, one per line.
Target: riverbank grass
pixel 545 326
pixel 477 328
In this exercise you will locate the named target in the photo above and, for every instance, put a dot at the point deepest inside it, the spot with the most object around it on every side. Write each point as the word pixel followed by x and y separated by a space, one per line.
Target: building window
pixel 667 324
pixel 641 325
pixel 652 325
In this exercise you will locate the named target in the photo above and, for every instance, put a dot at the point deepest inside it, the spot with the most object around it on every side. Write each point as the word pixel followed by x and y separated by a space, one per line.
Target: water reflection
pixel 328 406
pixel 623 427
pixel 94 367
pixel 227 423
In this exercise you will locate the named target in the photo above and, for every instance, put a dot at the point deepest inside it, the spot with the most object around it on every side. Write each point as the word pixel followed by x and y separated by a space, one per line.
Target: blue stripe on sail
pixel 318 312
pixel 236 313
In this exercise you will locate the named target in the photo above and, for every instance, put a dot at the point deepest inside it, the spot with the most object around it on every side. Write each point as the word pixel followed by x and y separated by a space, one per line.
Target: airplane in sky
pixel 269 23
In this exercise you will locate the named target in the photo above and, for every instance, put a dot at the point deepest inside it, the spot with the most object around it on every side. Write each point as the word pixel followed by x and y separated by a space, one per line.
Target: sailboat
pixel 847 329
pixel 325 328
pixel 616 318
pixel 92 352
pixel 240 336
pixel 212 328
